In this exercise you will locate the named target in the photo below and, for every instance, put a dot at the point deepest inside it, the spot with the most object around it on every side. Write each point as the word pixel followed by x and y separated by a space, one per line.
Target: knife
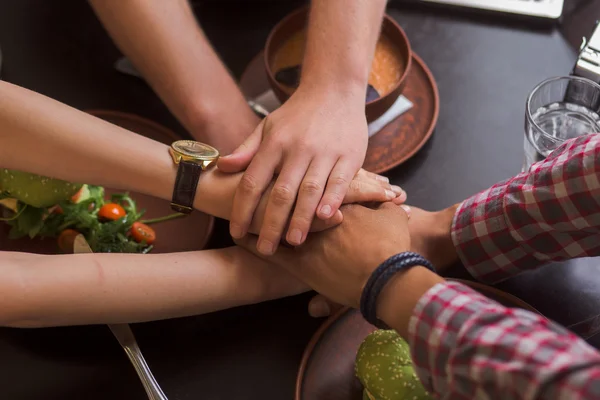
pixel 125 337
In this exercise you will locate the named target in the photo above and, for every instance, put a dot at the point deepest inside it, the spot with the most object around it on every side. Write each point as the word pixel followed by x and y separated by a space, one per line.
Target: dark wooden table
pixel 484 71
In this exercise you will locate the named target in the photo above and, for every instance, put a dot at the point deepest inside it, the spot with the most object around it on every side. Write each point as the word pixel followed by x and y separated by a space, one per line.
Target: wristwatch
pixel 192 159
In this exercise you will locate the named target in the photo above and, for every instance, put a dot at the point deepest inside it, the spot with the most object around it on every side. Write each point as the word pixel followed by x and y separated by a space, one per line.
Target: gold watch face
pixel 190 148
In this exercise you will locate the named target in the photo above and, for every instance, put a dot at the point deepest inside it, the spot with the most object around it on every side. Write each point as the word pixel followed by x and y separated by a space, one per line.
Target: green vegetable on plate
pixel 384 367
pixel 45 207
pixel 35 190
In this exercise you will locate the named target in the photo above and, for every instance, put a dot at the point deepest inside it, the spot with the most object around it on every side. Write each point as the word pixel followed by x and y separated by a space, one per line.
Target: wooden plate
pixel 184 234
pixel 400 139
pixel 327 367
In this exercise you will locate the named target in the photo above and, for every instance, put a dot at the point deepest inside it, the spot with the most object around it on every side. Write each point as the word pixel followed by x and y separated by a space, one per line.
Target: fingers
pixel 401 199
pixel 382 181
pixel 281 202
pixel 255 180
pixel 320 306
pixel 391 207
pixel 367 174
pixel 250 243
pixel 309 195
pixel 243 155
pixel 406 210
pixel 362 191
pixel 319 225
pixel 337 186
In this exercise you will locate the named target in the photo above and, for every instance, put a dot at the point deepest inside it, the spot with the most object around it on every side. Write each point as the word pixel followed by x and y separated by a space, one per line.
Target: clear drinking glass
pixel 559 109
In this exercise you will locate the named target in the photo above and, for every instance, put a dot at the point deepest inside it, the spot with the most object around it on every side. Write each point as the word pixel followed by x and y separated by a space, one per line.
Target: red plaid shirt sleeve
pixel 466 346
pixel 550 213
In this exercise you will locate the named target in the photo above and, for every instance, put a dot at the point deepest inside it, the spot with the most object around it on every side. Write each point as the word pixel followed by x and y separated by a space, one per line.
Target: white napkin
pixel 270 103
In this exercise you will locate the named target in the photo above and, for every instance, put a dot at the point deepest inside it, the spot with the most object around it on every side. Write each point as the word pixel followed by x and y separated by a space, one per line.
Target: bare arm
pixel 41 290
pixel 164 41
pixel 42 136
pixel 318 139
pixel 340 45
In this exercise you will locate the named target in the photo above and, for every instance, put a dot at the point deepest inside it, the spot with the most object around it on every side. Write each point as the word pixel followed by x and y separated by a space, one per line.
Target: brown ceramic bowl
pixel 296 21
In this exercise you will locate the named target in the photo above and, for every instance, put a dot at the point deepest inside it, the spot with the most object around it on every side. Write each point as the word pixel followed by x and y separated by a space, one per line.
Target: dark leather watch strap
pixel 186 183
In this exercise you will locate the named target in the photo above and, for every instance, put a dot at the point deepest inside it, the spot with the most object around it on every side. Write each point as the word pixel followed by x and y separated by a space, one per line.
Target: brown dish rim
pixel 337 315
pixel 434 118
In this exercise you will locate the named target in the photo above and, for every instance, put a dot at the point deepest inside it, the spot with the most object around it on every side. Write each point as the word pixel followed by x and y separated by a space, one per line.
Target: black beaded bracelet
pixel 381 276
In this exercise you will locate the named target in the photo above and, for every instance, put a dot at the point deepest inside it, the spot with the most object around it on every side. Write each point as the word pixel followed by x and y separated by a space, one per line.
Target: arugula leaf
pixel 29 222
pixel 15 233
pixel 103 237
pixel 97 193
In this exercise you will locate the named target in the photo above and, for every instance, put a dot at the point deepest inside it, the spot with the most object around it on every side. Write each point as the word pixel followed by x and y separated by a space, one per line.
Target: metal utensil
pixel 127 340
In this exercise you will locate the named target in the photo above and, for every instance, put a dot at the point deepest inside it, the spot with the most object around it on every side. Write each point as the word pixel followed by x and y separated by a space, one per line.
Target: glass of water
pixel 559 109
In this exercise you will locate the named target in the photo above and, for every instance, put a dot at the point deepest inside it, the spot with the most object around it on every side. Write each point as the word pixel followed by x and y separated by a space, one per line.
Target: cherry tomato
pixel 57 210
pixel 142 233
pixel 66 239
pixel 111 212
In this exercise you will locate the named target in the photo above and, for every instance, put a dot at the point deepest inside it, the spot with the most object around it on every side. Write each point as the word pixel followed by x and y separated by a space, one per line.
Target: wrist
pixel 215 191
pixel 223 126
pixel 435 243
pixel 400 296
pixel 323 89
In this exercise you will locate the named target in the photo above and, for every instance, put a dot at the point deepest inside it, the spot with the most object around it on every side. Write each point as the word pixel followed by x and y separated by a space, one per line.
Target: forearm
pixel 341 41
pixel 546 214
pixel 462 343
pixel 164 41
pixel 40 290
pixel 42 136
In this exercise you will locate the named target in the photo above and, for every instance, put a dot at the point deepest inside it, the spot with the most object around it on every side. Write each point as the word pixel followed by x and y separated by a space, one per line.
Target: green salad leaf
pixel 43 207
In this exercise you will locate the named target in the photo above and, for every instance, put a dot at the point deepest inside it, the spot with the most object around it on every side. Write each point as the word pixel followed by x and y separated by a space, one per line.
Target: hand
pixel 366 187
pixel 320 306
pixel 430 237
pixel 316 142
pixel 338 262
pixel 262 281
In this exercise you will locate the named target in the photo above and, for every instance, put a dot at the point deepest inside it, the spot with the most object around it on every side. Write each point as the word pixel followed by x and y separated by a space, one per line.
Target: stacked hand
pixel 366 187
pixel 315 144
pixel 337 262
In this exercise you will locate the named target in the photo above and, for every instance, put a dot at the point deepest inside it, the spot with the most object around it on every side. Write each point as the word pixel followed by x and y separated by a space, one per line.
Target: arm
pixel 78 147
pixel 463 345
pixel 164 41
pixel 340 45
pixel 476 347
pixel 318 139
pixel 549 213
pixel 41 290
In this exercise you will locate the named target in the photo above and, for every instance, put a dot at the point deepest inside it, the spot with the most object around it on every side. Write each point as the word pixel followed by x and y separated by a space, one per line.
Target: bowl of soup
pixel 284 52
